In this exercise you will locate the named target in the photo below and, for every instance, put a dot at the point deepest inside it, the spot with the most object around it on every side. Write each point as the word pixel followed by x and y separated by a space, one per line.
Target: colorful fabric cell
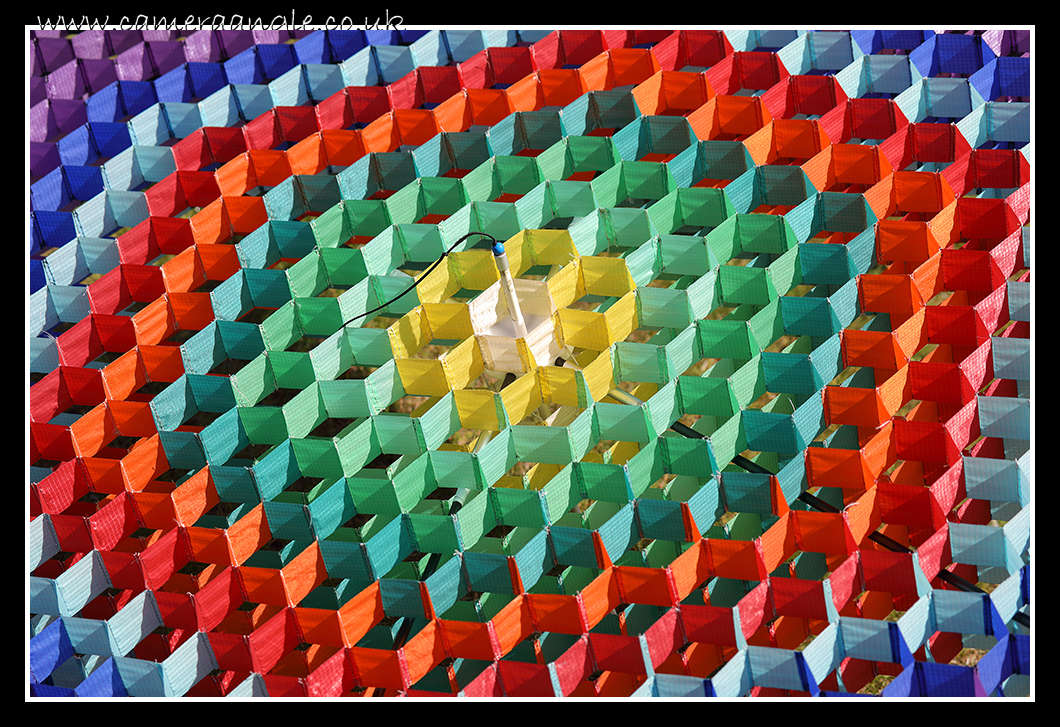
pixel 530 363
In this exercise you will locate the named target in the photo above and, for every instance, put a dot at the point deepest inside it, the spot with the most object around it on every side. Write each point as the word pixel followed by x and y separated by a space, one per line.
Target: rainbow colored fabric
pixel 813 247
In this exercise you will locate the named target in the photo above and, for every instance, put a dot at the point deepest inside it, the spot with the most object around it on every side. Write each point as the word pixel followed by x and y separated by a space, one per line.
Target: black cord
pixel 435 264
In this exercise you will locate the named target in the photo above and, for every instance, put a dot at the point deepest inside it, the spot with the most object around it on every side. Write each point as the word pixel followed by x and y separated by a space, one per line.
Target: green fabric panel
pixel 583 434
pixel 307 277
pixel 686 456
pixel 254 381
pixel 332 507
pixel 681 352
pixel 728 440
pixel 343 266
pixel 591 153
pixel 440 422
pixel 628 227
pixel 357 447
pixel 398 434
pixel 517 175
pixel 561 494
pixel 332 357
pixel 288 521
pixel 383 254
pixel 789 373
pixel 534 208
pixel 541 444
pixel 726 338
pixel 684 254
pixel 223 437
pixel 317 457
pixel 441 196
pixel 619 530
pixel 770 432
pixel 518 507
pixel 406 205
pixel 373 492
pixel 767 325
pixel 704 295
pixel 210 393
pixel 747 382
pixel 660 519
pixel 555 162
pixel 644 262
pixel 387 547
pixel 475 519
pixel 705 395
pixel 663 408
pixel 292 369
pixel 281 329
pixel 641 362
pixel 318 316
pixel 331 228
pixel 263 424
pixel 345 399
pixel 487 572
pixel 724 240
pixel 277 469
pixel 414 482
pixel 646 467
pixel 603 481
pixel 236 484
pixel 785 272
pixel 434 533
pixel 456 469
pixel 369 346
pixel 623 423
pixel 747 492
pixel 809 419
pixel 744 284
pixel 571 198
pixel 662 308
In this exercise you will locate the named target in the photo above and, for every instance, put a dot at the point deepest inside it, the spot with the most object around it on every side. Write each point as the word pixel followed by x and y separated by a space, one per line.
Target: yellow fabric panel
pixel 448 320
pixel 540 474
pixel 567 285
pixel 622 317
pixel 438 285
pixel 559 385
pixel 606 276
pixel 521 397
pixel 409 334
pixel 582 329
pixel 551 247
pixel 599 376
pixel 422 377
pixel 477 409
pixel 474 269
pixel 463 364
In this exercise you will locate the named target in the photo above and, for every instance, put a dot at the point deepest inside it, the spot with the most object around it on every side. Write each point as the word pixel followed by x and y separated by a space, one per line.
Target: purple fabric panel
pixel 134 64
pixel 90 44
pixel 98 73
pixel 202 46
pixel 67 82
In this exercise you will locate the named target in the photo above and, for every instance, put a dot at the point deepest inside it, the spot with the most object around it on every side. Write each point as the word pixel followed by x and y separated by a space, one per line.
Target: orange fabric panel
pixel 905 241
pixel 645 585
pixel 736 559
pixel 466 640
pixel 512 624
pixel 424 651
pixel 361 613
pixel 248 534
pixel 161 363
pixel 453 114
pixel 843 468
pixel 560 86
pixel 123 376
pixel 236 176
pixel 184 272
pixel 490 106
pixel 557 612
pixel 194 497
pixel 305 572
pixel 857 407
pixel 191 311
pixel 343 147
pixel 822 532
pixel 209 545
pixel 309 156
pixel 778 542
pixel 270 167
pixel 381 135
pixel 415 126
